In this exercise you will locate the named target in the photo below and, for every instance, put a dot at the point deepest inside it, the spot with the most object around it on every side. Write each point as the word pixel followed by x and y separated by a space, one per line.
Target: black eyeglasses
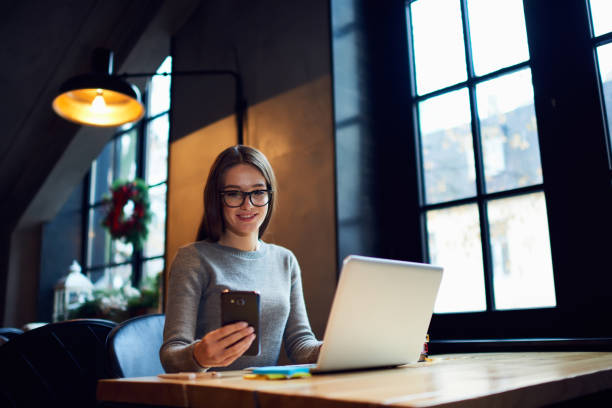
pixel 235 198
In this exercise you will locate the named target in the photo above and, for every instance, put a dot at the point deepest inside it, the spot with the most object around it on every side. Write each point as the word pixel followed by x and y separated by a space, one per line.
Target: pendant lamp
pixel 99 98
pixel 104 99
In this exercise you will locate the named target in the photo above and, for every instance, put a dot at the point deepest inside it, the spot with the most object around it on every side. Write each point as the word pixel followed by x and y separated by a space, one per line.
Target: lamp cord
pixel 240 105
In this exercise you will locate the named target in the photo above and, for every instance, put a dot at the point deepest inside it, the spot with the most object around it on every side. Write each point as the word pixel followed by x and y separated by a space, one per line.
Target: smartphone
pixel 242 306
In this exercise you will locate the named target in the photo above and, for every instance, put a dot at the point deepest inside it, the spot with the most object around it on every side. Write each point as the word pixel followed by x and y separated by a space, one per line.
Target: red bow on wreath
pixel 135 228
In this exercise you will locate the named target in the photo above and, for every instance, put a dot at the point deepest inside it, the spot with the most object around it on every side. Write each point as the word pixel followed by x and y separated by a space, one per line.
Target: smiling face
pixel 243 221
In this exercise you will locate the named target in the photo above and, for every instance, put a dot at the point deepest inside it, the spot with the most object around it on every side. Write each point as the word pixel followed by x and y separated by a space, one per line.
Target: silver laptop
pixel 380 314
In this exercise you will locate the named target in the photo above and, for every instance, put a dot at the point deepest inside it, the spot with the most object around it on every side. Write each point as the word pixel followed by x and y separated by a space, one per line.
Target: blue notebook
pixel 288 370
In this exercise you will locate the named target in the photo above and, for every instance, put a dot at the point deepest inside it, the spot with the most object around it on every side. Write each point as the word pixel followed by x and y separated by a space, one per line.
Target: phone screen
pixel 242 306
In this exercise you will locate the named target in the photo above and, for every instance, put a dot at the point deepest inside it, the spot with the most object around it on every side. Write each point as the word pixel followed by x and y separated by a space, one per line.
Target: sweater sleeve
pixel 184 294
pixel 300 343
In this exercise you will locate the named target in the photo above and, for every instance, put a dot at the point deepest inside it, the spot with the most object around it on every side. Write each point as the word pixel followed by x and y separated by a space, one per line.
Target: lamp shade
pixel 98 99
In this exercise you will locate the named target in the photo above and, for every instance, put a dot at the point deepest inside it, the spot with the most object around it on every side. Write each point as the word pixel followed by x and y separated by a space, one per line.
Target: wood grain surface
pixel 458 380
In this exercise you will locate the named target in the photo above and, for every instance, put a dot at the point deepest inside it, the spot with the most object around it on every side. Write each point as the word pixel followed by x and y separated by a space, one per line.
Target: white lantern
pixel 71 291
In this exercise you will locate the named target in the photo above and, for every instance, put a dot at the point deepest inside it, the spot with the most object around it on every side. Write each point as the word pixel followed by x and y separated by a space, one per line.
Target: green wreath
pixel 135 228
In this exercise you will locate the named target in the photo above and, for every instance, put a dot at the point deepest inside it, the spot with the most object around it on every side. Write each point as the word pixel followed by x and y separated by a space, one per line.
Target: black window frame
pixel 581 303
pixel 380 151
pixel 481 197
pixel 137 259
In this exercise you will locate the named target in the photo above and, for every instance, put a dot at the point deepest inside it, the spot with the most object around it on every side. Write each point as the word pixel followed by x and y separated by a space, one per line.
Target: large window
pixel 482 146
pixel 482 187
pixel 138 150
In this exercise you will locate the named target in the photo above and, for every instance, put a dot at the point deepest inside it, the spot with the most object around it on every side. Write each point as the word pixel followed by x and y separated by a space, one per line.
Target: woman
pixel 239 201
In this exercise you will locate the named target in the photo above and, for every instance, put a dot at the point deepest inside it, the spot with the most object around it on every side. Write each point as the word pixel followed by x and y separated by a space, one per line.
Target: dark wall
pixel 62 242
pixel 376 186
pixel 275 45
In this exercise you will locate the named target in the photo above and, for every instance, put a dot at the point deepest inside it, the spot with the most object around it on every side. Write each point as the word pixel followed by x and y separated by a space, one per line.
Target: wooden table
pixel 457 380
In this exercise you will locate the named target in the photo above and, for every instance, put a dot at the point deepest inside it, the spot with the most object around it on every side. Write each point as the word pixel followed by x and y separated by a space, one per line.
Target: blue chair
pixel 56 365
pixel 133 347
pixel 3 340
pixel 10 332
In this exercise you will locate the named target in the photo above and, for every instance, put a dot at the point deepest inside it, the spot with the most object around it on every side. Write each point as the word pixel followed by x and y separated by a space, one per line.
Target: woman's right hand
pixel 221 347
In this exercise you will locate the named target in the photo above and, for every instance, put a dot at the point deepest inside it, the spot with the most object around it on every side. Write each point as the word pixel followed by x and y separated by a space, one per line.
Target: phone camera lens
pixel 240 302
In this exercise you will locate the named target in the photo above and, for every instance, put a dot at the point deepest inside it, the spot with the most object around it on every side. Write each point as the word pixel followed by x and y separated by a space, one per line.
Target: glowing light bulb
pixel 98 105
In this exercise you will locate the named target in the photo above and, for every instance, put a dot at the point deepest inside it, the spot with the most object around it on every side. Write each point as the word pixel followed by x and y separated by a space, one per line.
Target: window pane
pixel 121 275
pixel 156 241
pixel 511 151
pixel 446 142
pixel 497 33
pixel 96 276
pixel 439 50
pixel 102 174
pixel 157 150
pixel 126 156
pixel 346 49
pixel 151 285
pixel 121 251
pixel 127 126
pixel 114 278
pixel 601 13
pixel 454 244
pixel 520 248
pixel 159 90
pixel 604 56
pixel 98 248
pixel 151 271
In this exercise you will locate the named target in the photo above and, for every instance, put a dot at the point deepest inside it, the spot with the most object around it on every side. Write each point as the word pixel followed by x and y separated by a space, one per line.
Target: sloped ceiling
pixel 43 157
pixel 43 44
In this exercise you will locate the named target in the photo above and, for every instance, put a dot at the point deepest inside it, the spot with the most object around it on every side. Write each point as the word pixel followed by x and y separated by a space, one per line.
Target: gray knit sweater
pixel 202 270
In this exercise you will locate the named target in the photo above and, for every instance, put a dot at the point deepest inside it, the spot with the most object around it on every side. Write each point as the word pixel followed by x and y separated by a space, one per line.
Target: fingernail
pixel 243 324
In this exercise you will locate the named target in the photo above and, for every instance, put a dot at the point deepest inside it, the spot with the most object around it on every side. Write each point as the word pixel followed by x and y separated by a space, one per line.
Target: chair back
pixel 10 332
pixel 56 365
pixel 133 347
